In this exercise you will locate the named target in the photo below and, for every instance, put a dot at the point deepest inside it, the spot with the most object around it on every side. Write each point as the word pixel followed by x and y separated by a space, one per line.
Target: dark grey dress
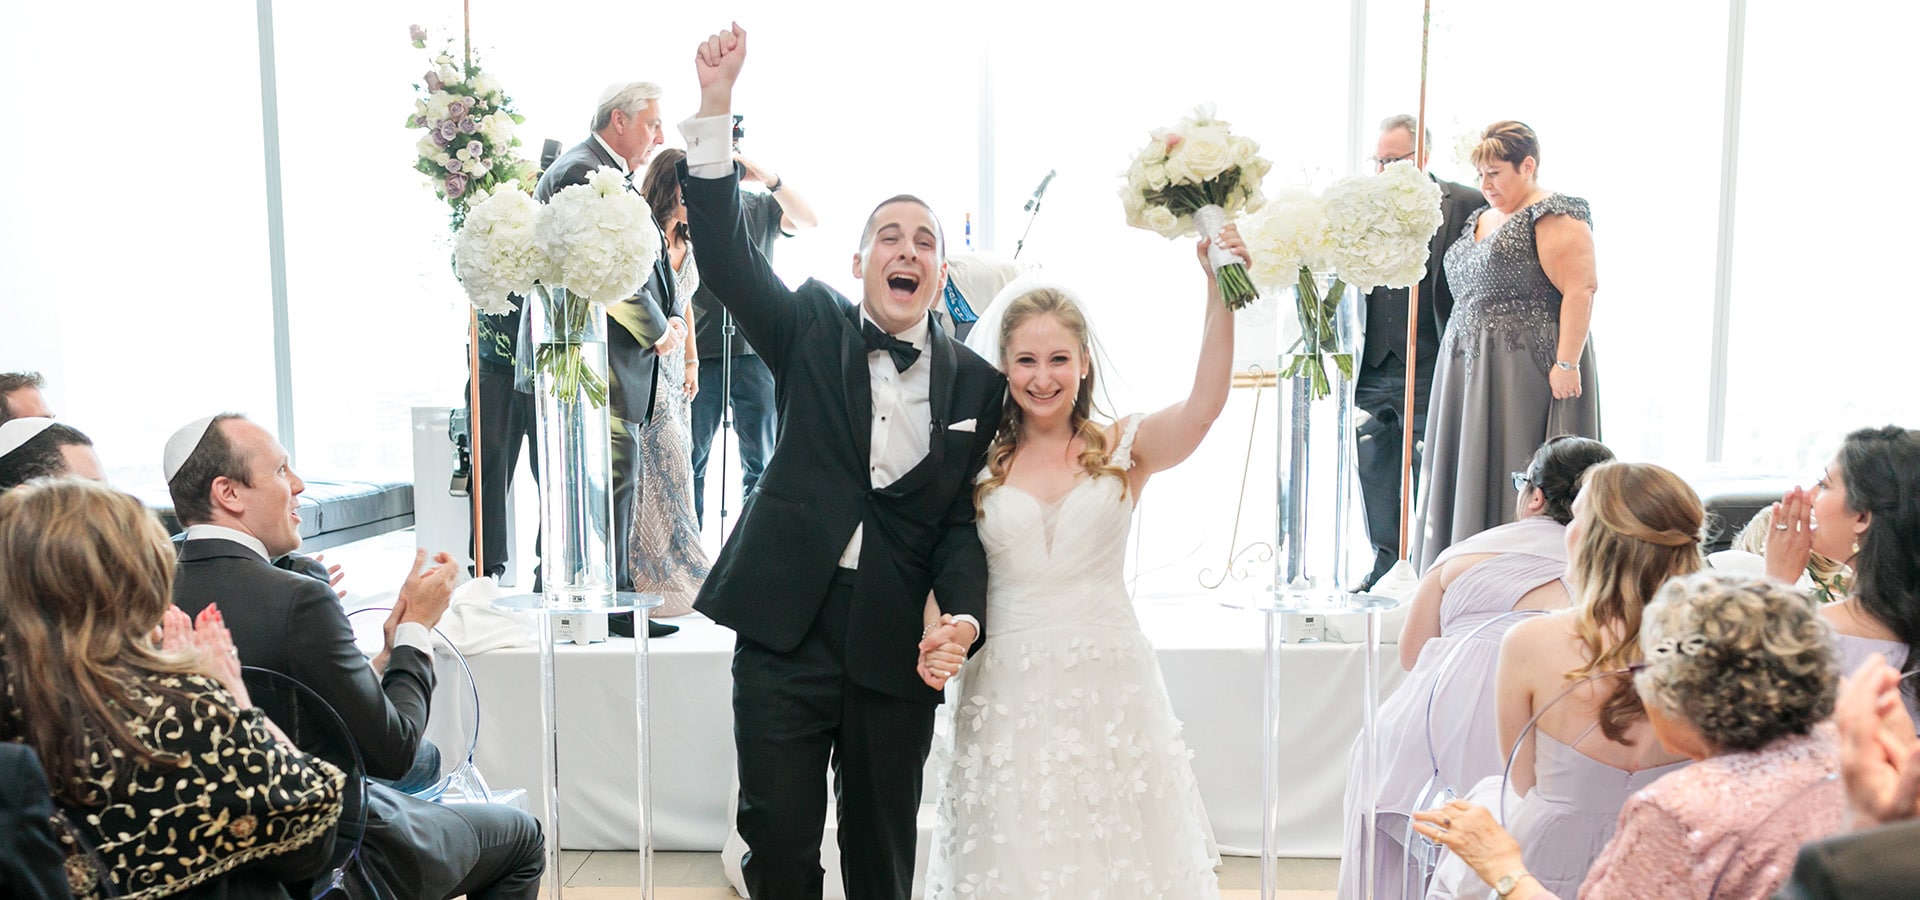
pixel 1492 406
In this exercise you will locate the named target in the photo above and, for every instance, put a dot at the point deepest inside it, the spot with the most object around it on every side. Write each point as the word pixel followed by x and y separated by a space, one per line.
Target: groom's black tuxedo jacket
pixel 774 572
pixel 634 324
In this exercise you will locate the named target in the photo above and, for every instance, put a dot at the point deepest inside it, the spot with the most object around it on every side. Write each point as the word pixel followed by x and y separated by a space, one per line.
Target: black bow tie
pixel 902 352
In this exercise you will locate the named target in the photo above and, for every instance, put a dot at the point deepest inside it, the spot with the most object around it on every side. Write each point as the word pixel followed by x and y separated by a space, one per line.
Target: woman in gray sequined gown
pixel 1516 364
pixel 664 551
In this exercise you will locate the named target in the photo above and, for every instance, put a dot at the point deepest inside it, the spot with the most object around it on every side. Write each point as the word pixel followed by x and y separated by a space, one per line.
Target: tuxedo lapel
pixel 856 381
pixel 944 362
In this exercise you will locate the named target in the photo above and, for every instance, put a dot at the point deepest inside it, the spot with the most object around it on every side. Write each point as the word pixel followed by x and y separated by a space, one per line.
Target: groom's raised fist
pixel 717 61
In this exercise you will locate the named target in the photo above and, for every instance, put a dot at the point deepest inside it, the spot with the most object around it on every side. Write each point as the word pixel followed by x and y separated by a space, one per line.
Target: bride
pixel 1069 777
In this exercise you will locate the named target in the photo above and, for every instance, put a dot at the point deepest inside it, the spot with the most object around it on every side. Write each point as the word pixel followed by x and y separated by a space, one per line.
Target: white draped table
pixel 1210 655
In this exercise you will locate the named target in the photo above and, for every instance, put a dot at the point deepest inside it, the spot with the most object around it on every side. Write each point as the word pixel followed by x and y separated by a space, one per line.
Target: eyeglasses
pixel 1386 161
pixel 1520 481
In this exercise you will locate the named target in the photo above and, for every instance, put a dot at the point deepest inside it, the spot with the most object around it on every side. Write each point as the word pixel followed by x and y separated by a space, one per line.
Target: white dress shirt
pixel 408 634
pixel 618 160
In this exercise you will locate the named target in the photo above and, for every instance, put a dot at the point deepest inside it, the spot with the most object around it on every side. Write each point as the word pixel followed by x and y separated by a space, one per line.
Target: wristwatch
pixel 777 184
pixel 1563 364
pixel 1509 882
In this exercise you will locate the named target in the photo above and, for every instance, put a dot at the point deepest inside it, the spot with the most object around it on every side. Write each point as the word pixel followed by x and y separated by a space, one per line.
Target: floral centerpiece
pixel 1192 179
pixel 591 245
pixel 1369 230
pixel 469 145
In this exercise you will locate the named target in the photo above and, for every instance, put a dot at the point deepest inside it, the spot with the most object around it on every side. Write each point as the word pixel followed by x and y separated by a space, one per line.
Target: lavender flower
pixel 453 166
pixel 475 148
pixel 419 36
pixel 456 186
pixel 433 131
pixel 457 108
pixel 448 130
pixel 468 125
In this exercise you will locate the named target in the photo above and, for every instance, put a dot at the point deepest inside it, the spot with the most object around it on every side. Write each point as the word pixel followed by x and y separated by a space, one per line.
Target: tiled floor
pixel 698 876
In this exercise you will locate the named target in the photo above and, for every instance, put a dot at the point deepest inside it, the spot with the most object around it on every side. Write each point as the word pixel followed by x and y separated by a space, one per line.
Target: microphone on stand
pixel 1033 211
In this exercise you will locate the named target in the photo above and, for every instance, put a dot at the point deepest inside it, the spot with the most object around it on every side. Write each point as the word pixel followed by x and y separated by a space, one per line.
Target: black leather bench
pixel 1732 498
pixel 331 512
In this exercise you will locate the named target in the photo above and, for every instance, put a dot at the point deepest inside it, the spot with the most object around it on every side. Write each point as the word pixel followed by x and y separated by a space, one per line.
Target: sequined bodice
pixel 1502 296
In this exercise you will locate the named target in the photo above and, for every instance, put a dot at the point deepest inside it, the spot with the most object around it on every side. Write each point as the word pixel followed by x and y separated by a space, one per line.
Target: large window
pixel 133 263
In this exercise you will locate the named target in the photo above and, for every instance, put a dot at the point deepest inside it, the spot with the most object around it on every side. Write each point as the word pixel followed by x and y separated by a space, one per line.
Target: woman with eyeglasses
pixel 1516 364
pixel 1737 675
pixel 1634 527
pixel 1865 513
pixel 1449 644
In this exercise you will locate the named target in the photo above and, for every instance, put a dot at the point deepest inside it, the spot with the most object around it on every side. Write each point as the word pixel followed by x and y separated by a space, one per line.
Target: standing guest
pixel 1439 724
pixel 1515 363
pixel 863 518
pixel 665 555
pixel 37 448
pixel 157 755
pixel 32 865
pixel 1737 676
pixel 234 490
pixel 626 129
pixel 974 281
pixel 20 396
pixel 1379 394
pixel 505 422
pixel 731 375
pixel 1865 513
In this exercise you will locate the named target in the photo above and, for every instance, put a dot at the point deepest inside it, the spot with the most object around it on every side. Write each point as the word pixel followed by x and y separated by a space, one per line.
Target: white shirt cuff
pixel 977 630
pixel 413 634
pixel 709 146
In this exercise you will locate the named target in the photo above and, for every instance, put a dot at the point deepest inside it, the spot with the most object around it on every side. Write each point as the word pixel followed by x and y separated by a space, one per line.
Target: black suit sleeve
pixel 386 715
pixel 32 866
pixel 959 562
pixel 730 266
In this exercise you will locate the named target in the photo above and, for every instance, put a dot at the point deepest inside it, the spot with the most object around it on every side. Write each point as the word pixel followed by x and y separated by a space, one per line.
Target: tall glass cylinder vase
pixel 569 337
pixel 1319 322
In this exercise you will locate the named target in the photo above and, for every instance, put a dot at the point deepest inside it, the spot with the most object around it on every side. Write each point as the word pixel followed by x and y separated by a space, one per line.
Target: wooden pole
pixel 1408 417
pixel 475 491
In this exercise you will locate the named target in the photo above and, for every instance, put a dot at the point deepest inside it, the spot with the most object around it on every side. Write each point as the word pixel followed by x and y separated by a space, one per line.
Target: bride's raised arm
pixel 1170 435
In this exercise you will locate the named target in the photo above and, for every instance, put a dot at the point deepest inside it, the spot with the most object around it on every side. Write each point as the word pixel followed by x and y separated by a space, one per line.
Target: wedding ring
pixel 1782 527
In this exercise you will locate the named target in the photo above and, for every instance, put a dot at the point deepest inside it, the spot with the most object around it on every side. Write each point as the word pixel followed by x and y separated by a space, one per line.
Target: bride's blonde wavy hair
pixel 1094 457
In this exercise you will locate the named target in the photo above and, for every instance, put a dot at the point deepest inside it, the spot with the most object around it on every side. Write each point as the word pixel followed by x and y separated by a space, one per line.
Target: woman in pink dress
pixel 1739 676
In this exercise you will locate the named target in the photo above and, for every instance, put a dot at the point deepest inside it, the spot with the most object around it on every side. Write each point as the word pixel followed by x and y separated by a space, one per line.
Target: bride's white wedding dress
pixel 1069 778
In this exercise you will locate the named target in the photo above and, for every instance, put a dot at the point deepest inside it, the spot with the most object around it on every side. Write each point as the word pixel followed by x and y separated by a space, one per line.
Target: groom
pixel 864 510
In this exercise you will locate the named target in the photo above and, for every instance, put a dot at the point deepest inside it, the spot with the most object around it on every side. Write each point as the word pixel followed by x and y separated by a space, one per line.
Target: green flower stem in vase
pixel 569 316
pixel 569 337
pixel 1319 338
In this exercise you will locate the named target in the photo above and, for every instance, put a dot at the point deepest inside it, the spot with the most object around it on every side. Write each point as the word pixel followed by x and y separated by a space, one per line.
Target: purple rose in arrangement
pixel 433 131
pixel 448 129
pixel 456 186
pixel 433 80
pixel 418 36
pixel 475 148
pixel 458 109
pixel 453 166
pixel 468 125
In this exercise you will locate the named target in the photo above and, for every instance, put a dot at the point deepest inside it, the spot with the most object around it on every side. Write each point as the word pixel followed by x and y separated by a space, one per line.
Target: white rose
pixel 1206 151
pixel 1162 220
pixel 450 75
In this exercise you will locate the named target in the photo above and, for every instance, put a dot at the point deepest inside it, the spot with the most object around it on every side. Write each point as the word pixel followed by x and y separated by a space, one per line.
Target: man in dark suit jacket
pixel 1380 390
pixel 626 129
pixel 864 514
pixel 32 865
pixel 234 491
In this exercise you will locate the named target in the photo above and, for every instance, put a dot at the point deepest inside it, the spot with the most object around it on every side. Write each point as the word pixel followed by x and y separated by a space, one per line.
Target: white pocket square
pixel 963 425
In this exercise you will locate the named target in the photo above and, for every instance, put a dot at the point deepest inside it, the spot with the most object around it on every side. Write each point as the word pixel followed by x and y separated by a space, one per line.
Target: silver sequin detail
pixel 1501 291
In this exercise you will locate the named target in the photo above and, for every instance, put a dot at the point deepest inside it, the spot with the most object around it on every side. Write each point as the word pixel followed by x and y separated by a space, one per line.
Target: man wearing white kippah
pixel 37 447
pixel 238 497
pixel 20 396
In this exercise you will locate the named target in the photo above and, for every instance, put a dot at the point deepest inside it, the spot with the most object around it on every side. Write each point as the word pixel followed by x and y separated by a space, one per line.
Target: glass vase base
pixel 1323 600
pixel 616 601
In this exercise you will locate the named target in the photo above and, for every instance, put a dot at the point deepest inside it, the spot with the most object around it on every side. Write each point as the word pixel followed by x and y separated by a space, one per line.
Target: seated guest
pixel 20 396
pixel 1737 674
pixel 37 447
pixel 1880 760
pixel 1827 578
pixel 157 756
pixel 1634 526
pixel 233 489
pixel 1510 567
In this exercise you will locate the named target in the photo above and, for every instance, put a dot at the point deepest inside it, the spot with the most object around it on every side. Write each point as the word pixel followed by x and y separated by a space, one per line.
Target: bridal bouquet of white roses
pixel 469 144
pixel 1192 179
pixel 1368 229
pixel 592 244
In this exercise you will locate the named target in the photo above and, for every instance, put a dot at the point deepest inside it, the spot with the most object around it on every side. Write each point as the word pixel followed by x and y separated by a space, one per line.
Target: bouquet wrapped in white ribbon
pixel 1369 230
pixel 592 244
pixel 1192 179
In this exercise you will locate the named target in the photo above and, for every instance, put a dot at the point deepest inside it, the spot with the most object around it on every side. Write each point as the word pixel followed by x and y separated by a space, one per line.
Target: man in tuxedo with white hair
pixel 236 493
pixel 626 129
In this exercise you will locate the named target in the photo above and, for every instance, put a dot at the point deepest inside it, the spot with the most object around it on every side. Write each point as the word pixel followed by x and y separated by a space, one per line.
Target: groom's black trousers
pixel 794 715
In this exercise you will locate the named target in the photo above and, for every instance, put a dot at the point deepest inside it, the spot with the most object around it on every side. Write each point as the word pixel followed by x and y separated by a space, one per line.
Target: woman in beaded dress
pixel 1516 364
pixel 664 552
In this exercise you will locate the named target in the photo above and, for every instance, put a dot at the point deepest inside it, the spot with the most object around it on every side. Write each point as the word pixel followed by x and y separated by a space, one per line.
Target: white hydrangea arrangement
pixel 590 245
pixel 1192 179
pixel 1369 230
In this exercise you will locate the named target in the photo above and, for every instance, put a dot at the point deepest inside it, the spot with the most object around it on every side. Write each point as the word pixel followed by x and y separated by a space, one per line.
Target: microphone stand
pixel 1033 211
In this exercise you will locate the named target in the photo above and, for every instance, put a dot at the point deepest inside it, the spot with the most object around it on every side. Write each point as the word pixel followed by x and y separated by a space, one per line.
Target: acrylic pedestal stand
pixel 623 601
pixel 1277 604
